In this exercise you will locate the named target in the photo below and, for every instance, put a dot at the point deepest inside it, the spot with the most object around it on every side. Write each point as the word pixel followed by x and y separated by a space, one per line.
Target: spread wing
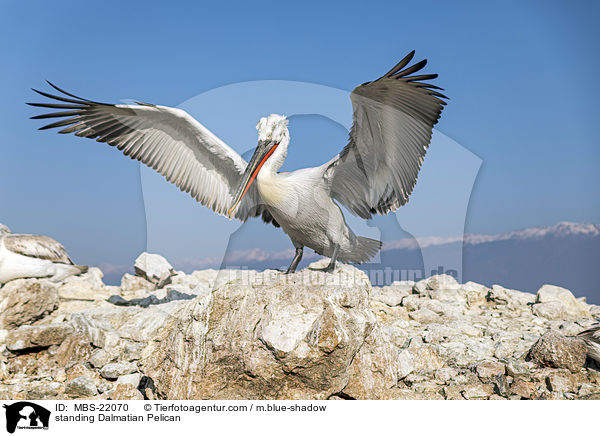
pixel 41 247
pixel 393 119
pixel 169 140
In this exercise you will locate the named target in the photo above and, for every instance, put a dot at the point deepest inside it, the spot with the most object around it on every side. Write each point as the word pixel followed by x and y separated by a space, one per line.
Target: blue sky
pixel 521 77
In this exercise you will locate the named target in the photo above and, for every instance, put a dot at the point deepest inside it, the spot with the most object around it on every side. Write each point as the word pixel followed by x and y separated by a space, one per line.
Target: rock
pixel 109 327
pixel 88 287
pixel 456 296
pixel 490 369
pixel 125 392
pixel 405 363
pixel 500 384
pixel 37 336
pixel 24 301
pixel 425 358
pixel 522 388
pixel 412 302
pixel 149 300
pixel 187 282
pixel 554 302
pixel 134 288
pixel 421 287
pixel 154 268
pixel 506 348
pixel 387 316
pixel 81 387
pixel 510 297
pixel 588 389
pixel 478 391
pixel 442 281
pixel 44 390
pixel 79 370
pixel 424 316
pixel 550 310
pixel 445 374
pixel 99 358
pixel 515 368
pixel 291 337
pixel 372 374
pixel 114 370
pixel 130 379
pixel 391 295
pixel 453 392
pixel 130 350
pixel 435 333
pixel 408 394
pixel 558 351
pixel 569 328
pixel 562 381
pixel 475 293
pixel 131 284
pixel 74 349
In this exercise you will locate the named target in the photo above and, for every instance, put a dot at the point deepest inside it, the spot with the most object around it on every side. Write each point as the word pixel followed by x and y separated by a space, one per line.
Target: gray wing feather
pixel 591 334
pixel 167 140
pixel 393 119
pixel 41 247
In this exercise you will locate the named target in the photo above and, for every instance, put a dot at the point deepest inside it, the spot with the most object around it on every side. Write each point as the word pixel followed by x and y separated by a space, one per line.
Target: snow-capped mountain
pixel 561 230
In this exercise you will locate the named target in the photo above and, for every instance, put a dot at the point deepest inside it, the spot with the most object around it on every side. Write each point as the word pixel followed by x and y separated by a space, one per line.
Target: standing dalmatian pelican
pixel 393 119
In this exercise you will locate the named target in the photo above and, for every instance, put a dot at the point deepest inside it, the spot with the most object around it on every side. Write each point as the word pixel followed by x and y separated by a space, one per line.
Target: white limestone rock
pixel 154 268
pixel 554 302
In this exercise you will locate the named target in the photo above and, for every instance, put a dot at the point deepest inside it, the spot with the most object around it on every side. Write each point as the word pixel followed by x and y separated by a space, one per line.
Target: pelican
pixel 591 337
pixel 26 256
pixel 393 119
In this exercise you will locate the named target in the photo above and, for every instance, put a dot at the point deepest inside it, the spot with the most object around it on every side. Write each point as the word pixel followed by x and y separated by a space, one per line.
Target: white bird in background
pixel 27 256
pixel 374 174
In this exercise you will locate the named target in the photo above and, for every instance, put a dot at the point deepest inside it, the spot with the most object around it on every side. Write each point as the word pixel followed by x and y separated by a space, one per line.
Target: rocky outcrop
pixel 291 337
pixel 25 301
pixel 309 335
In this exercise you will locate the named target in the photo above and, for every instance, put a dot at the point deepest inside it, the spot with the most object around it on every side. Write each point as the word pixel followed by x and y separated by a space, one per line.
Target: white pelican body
pixel 27 256
pixel 375 173
pixel 301 203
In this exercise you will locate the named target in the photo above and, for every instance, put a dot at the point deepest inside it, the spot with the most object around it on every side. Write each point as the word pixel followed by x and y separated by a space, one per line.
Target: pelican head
pixel 272 133
pixel 273 127
pixel 4 230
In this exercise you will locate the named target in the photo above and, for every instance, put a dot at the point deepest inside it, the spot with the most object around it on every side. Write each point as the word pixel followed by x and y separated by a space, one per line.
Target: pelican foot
pixel 329 268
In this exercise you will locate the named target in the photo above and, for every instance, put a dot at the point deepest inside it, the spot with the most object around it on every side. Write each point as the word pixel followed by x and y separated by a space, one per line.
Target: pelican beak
pixel 263 151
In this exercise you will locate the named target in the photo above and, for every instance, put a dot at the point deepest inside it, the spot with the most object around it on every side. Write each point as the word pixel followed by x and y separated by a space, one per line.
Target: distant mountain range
pixel 566 254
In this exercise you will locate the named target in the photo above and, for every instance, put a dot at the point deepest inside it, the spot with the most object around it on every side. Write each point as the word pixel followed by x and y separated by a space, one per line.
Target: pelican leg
pixel 329 268
pixel 296 260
